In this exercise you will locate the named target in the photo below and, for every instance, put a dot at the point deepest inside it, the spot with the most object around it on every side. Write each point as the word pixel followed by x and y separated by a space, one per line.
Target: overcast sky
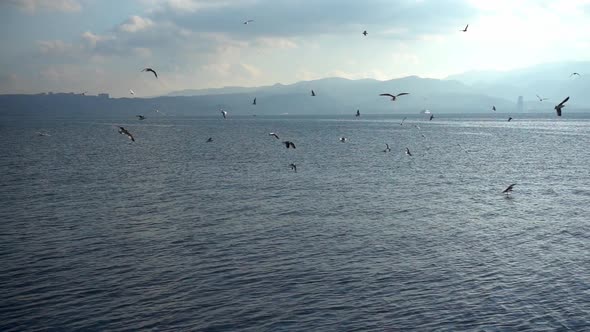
pixel 101 45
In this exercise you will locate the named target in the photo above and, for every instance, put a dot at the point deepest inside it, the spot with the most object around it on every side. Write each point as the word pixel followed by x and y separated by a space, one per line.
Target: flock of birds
pixel 289 144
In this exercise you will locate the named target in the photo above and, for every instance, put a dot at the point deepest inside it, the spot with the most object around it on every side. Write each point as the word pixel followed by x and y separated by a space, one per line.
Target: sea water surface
pixel 175 234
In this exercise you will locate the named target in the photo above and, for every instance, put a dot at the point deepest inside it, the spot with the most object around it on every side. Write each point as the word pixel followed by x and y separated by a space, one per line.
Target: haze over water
pixel 172 233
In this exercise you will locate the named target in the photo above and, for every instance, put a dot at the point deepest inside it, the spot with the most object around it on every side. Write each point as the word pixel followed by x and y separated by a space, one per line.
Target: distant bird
pixel 358 113
pixel 140 117
pixel 509 118
pixel 466 27
pixel 274 134
pixel 124 131
pixel 224 113
pixel 150 70
pixel 254 102
pixel 84 93
pixel 293 167
pixel 541 99
pixel 573 74
pixel 431 117
pixel 394 97
pixel 509 189
pixel 387 149
pixel 560 106
pixel 312 93
pixel 209 140
pixel 43 134
pixel 289 144
pixel 493 108
pixel 365 33
pixel 248 21
pixel 408 152
pixel 343 139
pixel 404 119
pixel 131 92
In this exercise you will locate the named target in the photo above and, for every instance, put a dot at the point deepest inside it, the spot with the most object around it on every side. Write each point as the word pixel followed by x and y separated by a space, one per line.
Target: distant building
pixel 103 95
pixel 520 104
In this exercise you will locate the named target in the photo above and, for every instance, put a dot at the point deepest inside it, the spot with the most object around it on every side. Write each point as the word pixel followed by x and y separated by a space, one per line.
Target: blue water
pixel 172 233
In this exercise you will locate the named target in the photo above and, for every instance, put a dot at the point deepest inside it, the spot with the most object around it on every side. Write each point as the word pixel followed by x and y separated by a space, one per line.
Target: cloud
pixel 135 24
pixel 31 6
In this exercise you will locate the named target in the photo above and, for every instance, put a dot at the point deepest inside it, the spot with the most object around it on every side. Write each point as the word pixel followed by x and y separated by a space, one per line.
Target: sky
pixel 102 45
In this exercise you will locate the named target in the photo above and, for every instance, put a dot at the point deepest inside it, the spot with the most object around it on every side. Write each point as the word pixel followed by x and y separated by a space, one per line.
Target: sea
pixel 173 233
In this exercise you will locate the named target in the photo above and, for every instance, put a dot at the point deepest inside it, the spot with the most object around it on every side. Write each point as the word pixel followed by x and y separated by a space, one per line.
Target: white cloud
pixel 32 6
pixel 135 24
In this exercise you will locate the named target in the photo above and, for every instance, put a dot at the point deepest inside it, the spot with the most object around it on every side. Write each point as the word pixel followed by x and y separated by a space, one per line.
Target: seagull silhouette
pixel 150 69
pixel 293 167
pixel 274 134
pixel 224 113
pixel 561 105
pixel 254 102
pixel 466 27
pixel 493 108
pixel 289 144
pixel 343 139
pixel 509 189
pixel 387 149
pixel 574 74
pixel 131 92
pixel 509 118
pixel 404 119
pixel 394 97
pixel 358 113
pixel 541 99
pixel 312 93
pixel 408 152
pixel 365 33
pixel 431 117
pixel 210 139
pixel 249 21
pixel 140 117
pixel 124 131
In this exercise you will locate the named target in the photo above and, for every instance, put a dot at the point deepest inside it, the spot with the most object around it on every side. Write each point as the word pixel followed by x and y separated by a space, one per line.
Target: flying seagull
pixel 248 21
pixel 274 134
pixel 41 133
pixel 493 108
pixel 224 113
pixel 404 119
pixel 151 70
pixel 394 97
pixel 140 117
pixel 509 189
pixel 254 102
pixel 126 132
pixel 84 93
pixel 509 118
pixel 431 117
pixel 387 149
pixel 541 99
pixel 465 30
pixel 343 139
pixel 312 93
pixel 365 32
pixel 408 152
pixel 289 144
pixel 131 92
pixel 573 74
pixel 358 113
pixel 560 106
pixel 293 167
pixel 209 140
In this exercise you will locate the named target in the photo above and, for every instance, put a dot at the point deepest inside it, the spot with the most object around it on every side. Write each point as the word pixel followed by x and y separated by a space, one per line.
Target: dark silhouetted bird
pixel 394 97
pixel 560 106
pixel 254 102
pixel 387 149
pixel 358 113
pixel 365 33
pixel 312 93
pixel 151 70
pixel 224 113
pixel 210 139
pixel 124 131
pixel 509 118
pixel 293 167
pixel 509 189
pixel 431 117
pixel 408 152
pixel 274 134
pixel 466 27
pixel 289 144
pixel 140 117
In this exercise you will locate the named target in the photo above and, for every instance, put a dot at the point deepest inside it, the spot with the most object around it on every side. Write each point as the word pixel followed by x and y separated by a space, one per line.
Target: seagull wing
pixel 509 189
pixel 387 94
pixel 563 102
pixel 401 94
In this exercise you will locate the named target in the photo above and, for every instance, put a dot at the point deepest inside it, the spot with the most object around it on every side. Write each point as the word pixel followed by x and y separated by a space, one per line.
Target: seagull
pixel 509 118
pixel 493 108
pixel 541 99
pixel 248 21
pixel 84 93
pixel 289 144
pixel 508 190
pixel 404 119
pixel 312 93
pixel 131 92
pixel 408 152
pixel 254 102
pixel 387 149
pixel 140 117
pixel 573 74
pixel 343 139
pixel 274 134
pixel 224 113
pixel 465 30
pixel 150 69
pixel 365 33
pixel 394 97
pixel 125 132
pixel 209 140
pixel 43 134
pixel 431 117
pixel 560 106
pixel 358 113
pixel 293 167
